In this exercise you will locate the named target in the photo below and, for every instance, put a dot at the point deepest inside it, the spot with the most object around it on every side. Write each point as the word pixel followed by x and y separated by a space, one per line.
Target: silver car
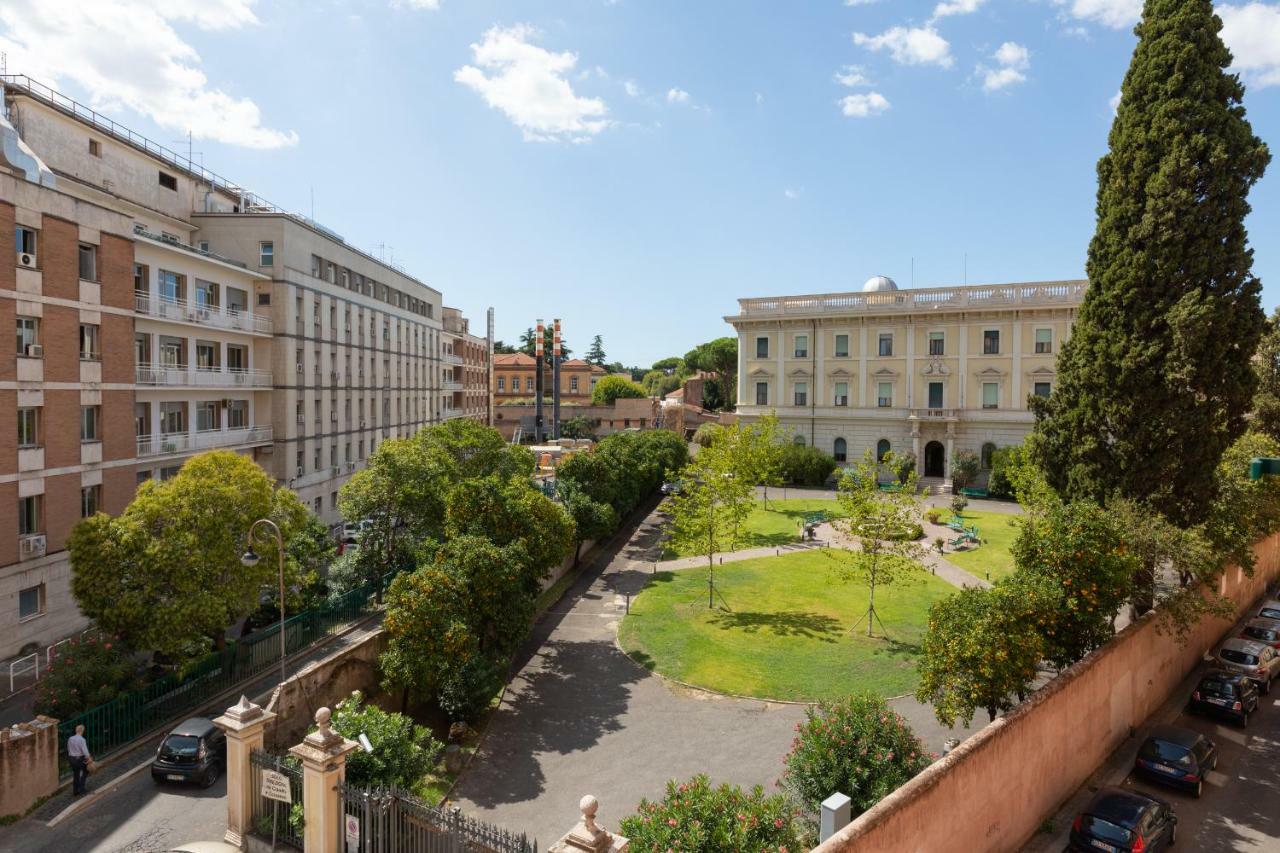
pixel 1270 609
pixel 1255 661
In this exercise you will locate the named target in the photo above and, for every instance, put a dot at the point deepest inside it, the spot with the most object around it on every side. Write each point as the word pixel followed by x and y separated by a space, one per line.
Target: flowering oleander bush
pixel 86 673
pixel 697 817
pixel 856 746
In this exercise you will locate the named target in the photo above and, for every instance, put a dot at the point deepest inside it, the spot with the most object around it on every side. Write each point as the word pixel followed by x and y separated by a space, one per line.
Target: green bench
pixel 971 492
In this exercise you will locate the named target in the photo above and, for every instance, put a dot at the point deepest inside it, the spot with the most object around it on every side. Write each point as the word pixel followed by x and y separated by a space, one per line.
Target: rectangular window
pixel 95 148
pixel 802 346
pixel 88 262
pixel 141 279
pixel 90 500
pixel 169 182
pixel 762 347
pixel 528 383
pixel 502 384
pixel 206 415
pixel 299 461
pixel 29 427
pixel 28 335
pixel 990 395
pixel 89 423
pixel 1044 341
pixel 172 286
pixel 884 395
pixel 936 343
pixel 206 294
pixel 206 355
pixel 802 393
pixel 25 242
pixel 991 342
pixel 173 352
pixel 842 394
pixel 89 350
pixel 266 253
pixel 886 344
pixel 762 393
pixel 1041 389
pixel 29 515
pixel 935 395
pixel 30 602
pixel 173 418
pixel 842 346
pixel 237 414
pixel 142 420
pixel 573 385
pixel 237 358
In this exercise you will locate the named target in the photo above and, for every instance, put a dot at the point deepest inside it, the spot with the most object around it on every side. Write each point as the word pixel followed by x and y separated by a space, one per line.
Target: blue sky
pixel 635 166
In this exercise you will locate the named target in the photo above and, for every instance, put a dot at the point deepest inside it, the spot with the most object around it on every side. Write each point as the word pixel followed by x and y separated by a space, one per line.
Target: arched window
pixel 882 449
pixel 988 450
pixel 840 450
pixel 798 441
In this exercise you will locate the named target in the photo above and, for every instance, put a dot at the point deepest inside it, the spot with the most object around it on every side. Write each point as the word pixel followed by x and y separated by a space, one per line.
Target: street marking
pixel 1231 734
pixel 1213 777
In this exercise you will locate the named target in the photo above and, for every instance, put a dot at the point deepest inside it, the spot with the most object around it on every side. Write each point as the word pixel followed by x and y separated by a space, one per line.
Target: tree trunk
pixel 991 713
pixel 404 701
pixel 577 552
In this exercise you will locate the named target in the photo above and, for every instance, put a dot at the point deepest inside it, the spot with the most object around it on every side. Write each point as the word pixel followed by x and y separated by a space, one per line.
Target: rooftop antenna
pixel 191 154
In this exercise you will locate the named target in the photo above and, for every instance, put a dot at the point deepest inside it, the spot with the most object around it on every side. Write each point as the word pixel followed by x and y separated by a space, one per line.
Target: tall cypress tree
pixel 1155 381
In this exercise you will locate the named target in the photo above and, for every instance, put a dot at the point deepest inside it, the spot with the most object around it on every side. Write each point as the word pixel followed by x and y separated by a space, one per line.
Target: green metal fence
pixel 124 719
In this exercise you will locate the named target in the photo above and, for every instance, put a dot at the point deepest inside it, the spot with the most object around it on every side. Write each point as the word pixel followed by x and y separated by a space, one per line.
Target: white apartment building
pixel 931 371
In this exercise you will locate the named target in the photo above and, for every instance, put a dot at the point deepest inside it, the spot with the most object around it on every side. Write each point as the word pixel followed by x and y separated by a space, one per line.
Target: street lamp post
pixel 250 559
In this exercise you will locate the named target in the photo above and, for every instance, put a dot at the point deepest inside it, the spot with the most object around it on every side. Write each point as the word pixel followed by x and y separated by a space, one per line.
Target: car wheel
pixel 1173 835
pixel 210 776
pixel 1199 791
pixel 1266 687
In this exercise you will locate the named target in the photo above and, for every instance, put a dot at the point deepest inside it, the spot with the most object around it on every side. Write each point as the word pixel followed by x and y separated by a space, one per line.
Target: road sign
pixel 353 830
pixel 275 786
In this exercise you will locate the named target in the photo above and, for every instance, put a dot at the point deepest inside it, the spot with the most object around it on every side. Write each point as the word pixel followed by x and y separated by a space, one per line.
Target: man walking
pixel 79 758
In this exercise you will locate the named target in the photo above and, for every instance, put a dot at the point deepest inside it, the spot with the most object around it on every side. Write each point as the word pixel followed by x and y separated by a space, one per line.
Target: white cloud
pixel 759 98
pixel 956 7
pixel 1111 13
pixel 1252 31
pixel 792 193
pixel 632 90
pixel 860 2
pixel 1114 103
pixel 677 96
pixel 1012 62
pixel 852 76
pixel 863 106
pixel 910 46
pixel 127 54
pixel 429 5
pixel 527 83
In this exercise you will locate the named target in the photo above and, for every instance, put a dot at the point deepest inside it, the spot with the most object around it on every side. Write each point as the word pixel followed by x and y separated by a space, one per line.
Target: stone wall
pixel 324 683
pixel 28 764
pixel 992 792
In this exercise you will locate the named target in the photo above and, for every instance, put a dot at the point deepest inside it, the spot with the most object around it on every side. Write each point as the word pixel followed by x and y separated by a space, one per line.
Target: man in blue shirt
pixel 79 758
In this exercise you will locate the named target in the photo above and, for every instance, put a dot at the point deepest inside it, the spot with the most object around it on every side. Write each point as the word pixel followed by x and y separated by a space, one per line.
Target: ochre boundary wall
pixel 992 792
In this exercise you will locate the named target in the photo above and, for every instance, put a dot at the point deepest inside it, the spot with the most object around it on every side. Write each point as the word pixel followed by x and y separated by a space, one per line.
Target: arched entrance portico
pixel 935 459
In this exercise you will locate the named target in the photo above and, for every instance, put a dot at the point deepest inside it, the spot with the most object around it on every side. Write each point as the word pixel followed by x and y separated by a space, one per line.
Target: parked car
pixel 1122 821
pixel 1270 609
pixel 195 751
pixel 1227 694
pixel 1256 661
pixel 1263 631
pixel 1177 757
pixel 671 487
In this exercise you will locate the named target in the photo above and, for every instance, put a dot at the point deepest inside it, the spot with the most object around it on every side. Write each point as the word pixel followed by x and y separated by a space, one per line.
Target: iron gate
pixel 389 821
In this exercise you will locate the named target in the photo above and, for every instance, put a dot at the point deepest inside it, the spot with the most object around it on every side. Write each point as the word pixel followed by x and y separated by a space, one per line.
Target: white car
pixel 1255 661
pixel 1270 609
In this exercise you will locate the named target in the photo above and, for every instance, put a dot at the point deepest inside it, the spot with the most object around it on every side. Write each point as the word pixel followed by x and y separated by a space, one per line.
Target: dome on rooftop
pixel 879 284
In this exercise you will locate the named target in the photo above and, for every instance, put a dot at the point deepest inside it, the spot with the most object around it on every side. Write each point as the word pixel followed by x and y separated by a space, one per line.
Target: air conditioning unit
pixel 35 351
pixel 27 259
pixel 33 546
pixel 226 403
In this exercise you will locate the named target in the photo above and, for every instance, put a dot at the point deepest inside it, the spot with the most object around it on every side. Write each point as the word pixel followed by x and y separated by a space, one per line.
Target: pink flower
pixel 777 823
pixel 671 821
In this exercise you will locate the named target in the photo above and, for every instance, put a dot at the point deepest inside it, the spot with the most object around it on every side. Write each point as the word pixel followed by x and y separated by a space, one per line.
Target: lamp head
pixel 249 558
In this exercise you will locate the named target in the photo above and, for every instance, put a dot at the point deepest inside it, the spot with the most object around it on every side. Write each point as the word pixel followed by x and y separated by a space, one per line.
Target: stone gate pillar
pixel 324 758
pixel 244 723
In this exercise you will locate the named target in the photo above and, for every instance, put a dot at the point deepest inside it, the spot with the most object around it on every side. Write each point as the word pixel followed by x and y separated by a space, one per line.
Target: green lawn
pixel 781 629
pixel 777 525
pixel 995 555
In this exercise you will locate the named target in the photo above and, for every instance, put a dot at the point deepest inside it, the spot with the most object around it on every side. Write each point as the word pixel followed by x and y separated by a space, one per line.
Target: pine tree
pixel 1266 403
pixel 1155 381
pixel 595 355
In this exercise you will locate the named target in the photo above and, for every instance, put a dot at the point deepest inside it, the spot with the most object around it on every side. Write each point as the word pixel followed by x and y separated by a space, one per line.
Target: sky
pixel 636 166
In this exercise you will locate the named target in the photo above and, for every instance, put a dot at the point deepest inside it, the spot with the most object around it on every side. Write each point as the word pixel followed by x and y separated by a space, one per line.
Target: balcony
pixel 448 413
pixel 179 310
pixel 451 385
pixel 450 358
pixel 183 442
pixel 167 376
pixel 934 415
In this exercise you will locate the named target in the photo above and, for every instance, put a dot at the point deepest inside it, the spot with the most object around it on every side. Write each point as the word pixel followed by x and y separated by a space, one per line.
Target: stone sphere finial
pixel 322 719
pixel 589 805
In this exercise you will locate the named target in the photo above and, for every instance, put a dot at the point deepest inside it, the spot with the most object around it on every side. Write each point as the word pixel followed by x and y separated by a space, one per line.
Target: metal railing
pixel 450 358
pixel 934 414
pixel 204 377
pixel 392 821
pixel 978 296
pixel 140 230
pixel 182 442
pixel 288 820
pixel 449 412
pixel 22 666
pixel 179 310
pixel 451 385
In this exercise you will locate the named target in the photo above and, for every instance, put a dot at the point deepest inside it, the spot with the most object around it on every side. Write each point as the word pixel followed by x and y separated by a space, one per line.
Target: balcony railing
pixel 451 385
pixel 205 315
pixel 173 376
pixel 450 358
pixel 934 414
pixel 969 297
pixel 182 442
pixel 450 412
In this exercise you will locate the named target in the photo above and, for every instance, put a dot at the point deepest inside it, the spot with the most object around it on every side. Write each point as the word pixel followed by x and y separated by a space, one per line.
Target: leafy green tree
pixel 964 469
pixel 625 469
pixel 705 434
pixel 708 511
pixel 982 648
pixel 165 574
pixel 403 752
pixel 696 816
pixel 1080 549
pixel 1155 380
pixel 719 356
pixel 512 512
pixel 578 427
pixel 674 364
pixel 1266 402
pixel 477 450
pixel 501 348
pixel 656 383
pixel 803 465
pixel 595 355
pixel 1243 510
pixel 882 521
pixel 761 445
pixel 430 638
pixel 529 337
pixel 87 672
pixel 1003 461
pixel 611 388
pixel 592 520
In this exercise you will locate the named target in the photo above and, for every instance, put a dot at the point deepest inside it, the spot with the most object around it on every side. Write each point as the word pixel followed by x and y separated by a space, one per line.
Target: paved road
pixel 581 717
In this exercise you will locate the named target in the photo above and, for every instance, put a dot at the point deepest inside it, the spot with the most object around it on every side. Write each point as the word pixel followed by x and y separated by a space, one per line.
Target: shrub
pixel 697 817
pixel 958 504
pixel 803 465
pixel 578 427
pixel 85 674
pixel 964 469
pixel 611 388
pixel 934 515
pixel 705 434
pixel 904 465
pixel 1003 461
pixel 403 752
pixel 856 746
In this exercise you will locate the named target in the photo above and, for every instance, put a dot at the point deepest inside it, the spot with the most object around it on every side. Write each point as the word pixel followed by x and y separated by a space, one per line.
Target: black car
pixel 195 751
pixel 1177 757
pixel 1120 821
pixel 1226 694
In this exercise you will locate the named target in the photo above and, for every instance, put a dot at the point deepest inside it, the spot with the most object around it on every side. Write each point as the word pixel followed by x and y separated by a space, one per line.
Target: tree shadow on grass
pixel 789 623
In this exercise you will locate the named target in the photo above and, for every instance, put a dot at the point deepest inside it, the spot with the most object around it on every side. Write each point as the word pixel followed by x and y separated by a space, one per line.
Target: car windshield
pixel 1237 656
pixel 1104 829
pixel 182 745
pixel 1261 633
pixel 1165 752
pixel 1222 688
pixel 1269 613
